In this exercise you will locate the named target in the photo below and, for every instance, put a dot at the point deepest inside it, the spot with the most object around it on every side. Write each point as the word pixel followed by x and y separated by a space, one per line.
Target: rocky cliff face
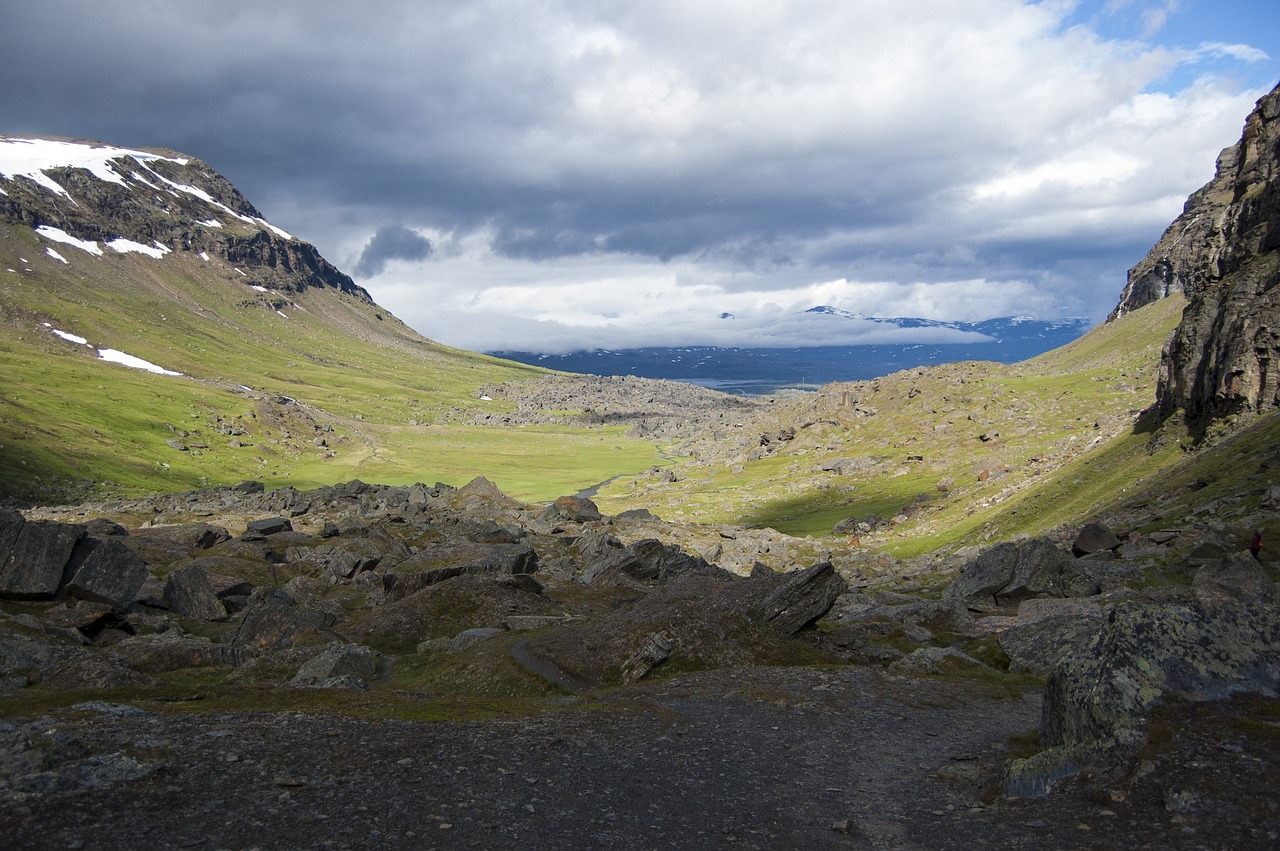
pixel 91 195
pixel 1222 253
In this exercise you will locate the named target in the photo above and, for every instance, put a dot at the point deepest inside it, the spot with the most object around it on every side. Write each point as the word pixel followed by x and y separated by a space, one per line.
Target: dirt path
pixel 759 758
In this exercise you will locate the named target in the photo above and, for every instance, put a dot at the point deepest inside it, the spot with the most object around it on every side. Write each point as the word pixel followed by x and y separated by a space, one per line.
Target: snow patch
pixel 122 245
pixel 59 235
pixel 30 158
pixel 70 338
pixel 281 312
pixel 55 255
pixel 204 255
pixel 117 356
pixel 256 287
pixel 210 223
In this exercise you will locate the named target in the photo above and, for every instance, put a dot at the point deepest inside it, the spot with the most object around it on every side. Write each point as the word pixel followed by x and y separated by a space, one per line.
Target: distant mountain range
pixel 1007 339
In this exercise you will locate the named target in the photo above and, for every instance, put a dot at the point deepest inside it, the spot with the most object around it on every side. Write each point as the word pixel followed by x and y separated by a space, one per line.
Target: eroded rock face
pixel 1222 254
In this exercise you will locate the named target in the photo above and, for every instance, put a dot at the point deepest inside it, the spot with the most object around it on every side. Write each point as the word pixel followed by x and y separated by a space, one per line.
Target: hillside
pixel 288 372
pixel 969 605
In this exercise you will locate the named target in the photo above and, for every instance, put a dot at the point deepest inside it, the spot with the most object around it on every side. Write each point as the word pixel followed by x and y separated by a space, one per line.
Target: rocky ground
pixel 755 758
pixel 368 666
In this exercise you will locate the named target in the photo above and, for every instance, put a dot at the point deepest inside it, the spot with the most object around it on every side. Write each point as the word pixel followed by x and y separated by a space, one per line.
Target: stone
pixel 1012 572
pixel 268 526
pixel 1098 695
pixel 1094 538
pixel 647 561
pixel 109 573
pixel 802 598
pixel 38 557
pixel 934 660
pixel 1036 647
pixel 573 509
pixel 11 523
pixel 275 621
pixel 188 592
pixel 652 652
pixel 89 618
pixel 339 665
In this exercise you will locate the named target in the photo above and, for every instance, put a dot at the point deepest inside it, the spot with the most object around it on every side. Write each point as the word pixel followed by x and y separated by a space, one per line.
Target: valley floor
pixel 755 758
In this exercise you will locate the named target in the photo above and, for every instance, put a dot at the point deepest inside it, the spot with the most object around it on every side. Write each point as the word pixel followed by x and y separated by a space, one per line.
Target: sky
pixel 549 175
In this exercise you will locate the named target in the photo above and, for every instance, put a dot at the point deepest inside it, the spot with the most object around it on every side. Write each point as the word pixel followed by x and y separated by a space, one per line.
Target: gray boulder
pixel 339 666
pixel 648 561
pixel 802 598
pixel 267 526
pixel 188 592
pixel 1012 572
pixel 275 621
pixel 37 559
pixel 1094 538
pixel 109 573
pixel 1097 697
pixel 11 523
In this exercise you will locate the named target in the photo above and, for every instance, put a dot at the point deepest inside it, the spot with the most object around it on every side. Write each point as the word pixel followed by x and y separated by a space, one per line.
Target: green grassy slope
pixel 373 391
pixel 957 454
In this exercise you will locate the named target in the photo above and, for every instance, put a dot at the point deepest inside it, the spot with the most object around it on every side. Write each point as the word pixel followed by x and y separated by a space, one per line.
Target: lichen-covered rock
pixel 338 666
pixel 1097 697
pixel 1036 647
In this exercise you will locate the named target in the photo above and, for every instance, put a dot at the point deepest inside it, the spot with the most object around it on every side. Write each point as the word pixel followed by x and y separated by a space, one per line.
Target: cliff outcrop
pixel 152 200
pixel 1222 254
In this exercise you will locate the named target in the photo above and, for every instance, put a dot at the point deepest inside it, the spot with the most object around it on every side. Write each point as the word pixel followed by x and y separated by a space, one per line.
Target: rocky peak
pixel 1221 253
pixel 151 201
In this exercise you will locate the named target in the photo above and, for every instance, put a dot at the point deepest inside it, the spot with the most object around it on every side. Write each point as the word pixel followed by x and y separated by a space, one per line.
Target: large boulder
pixel 1036 647
pixel 188 592
pixel 339 665
pixel 1094 538
pixel 1097 697
pixel 108 572
pixel 38 556
pixel 1011 572
pixel 444 609
pixel 435 563
pixel 648 561
pixel 275 621
pixel 802 598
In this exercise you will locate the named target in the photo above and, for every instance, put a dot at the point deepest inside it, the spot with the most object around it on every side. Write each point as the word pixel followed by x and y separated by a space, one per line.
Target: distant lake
pixel 765 371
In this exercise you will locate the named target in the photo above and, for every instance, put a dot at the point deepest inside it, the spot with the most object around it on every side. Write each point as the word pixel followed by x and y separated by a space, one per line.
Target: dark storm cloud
pixel 686 154
pixel 393 242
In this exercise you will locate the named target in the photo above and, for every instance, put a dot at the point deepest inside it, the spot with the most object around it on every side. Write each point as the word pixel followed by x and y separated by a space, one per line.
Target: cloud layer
pixel 548 175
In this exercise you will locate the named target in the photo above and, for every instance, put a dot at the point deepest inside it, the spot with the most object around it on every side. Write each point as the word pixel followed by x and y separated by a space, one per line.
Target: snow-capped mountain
pixel 998 328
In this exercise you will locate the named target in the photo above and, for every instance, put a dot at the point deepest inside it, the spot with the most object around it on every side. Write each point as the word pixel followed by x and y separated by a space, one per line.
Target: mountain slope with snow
pixel 158 332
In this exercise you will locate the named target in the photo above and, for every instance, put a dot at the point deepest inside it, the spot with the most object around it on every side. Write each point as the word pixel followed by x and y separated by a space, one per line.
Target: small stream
pixel 589 493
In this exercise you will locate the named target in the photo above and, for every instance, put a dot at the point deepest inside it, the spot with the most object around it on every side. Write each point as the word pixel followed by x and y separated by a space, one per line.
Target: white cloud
pixel 595 170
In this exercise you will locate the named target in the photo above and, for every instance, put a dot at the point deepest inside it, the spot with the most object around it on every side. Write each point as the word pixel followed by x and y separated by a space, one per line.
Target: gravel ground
pixel 755 758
